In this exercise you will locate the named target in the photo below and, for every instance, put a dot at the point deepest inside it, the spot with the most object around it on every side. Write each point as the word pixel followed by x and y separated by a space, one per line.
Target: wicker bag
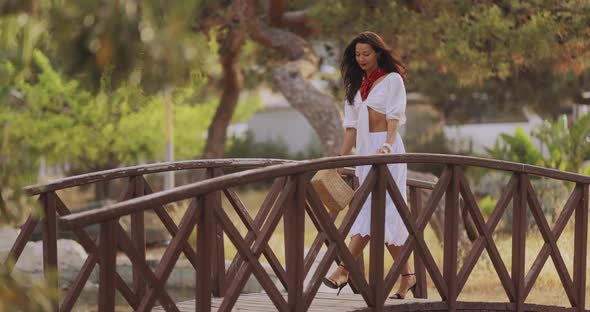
pixel 334 192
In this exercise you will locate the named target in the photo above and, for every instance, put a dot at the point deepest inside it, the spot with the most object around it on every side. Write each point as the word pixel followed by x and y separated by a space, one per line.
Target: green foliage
pixel 487 205
pixel 93 132
pixel 566 147
pixel 566 150
pixel 247 147
pixel 517 148
pixel 151 43
pixel 20 293
pixel 507 50
pixel 20 35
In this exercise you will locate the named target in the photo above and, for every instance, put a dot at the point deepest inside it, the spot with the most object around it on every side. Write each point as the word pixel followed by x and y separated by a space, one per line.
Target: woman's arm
pixel 392 125
pixel 348 141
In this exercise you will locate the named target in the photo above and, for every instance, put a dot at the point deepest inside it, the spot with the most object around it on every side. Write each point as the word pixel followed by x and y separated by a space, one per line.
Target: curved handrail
pixel 219 183
pixel 124 172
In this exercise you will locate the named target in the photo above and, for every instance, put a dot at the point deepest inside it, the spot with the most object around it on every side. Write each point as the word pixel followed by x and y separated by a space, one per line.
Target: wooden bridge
pixel 291 199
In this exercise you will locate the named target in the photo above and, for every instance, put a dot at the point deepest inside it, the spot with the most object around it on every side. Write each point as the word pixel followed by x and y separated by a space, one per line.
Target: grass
pixel 483 283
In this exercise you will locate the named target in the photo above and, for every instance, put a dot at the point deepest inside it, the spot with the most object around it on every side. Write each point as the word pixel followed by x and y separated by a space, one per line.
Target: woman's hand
pixel 383 150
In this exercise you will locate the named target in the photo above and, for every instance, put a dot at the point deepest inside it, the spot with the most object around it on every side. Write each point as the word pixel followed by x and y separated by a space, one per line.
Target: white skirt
pixel 395 229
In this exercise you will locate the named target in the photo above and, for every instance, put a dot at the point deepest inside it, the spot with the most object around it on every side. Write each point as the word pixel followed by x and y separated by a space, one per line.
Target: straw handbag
pixel 334 192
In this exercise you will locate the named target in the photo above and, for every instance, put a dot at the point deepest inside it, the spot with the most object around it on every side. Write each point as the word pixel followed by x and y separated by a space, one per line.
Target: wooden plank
pixel 550 239
pixel 419 268
pixel 112 174
pixel 252 264
pixel 91 248
pixel 378 238
pixel 323 302
pixel 581 249
pixel 108 256
pixel 319 240
pixel 451 237
pixel 519 227
pixel 560 224
pixel 414 230
pixel 171 227
pixel 263 212
pixel 50 244
pixel 78 284
pixel 294 220
pixel 336 238
pixel 187 224
pixel 155 282
pixel 485 239
pixel 204 242
pixel 242 178
pixel 138 237
pixel 253 232
pixel 218 260
pixel 19 245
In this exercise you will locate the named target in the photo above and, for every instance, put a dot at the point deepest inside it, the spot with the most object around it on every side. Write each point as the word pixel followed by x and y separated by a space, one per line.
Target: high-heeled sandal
pixel 412 288
pixel 332 283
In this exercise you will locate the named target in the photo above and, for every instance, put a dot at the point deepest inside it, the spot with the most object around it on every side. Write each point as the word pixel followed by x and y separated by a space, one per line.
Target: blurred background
pixel 90 85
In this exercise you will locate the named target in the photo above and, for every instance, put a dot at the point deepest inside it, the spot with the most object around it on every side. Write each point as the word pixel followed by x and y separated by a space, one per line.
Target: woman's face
pixel 366 57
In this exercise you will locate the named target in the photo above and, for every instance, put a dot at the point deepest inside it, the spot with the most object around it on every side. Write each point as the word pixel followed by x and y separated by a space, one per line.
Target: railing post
pixel 49 202
pixel 353 181
pixel 419 268
pixel 204 247
pixel 519 226
pixel 378 238
pixel 108 266
pixel 451 237
pixel 138 237
pixel 218 262
pixel 581 248
pixel 294 220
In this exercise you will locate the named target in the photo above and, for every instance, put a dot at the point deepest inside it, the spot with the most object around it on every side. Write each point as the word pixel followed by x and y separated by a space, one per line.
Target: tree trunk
pixel 292 77
pixel 232 81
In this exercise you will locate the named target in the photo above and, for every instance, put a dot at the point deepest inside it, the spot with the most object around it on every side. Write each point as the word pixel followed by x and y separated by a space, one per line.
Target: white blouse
pixel 387 97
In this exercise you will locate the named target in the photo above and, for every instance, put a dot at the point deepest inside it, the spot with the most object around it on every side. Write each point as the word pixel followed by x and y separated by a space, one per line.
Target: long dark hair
pixel 352 73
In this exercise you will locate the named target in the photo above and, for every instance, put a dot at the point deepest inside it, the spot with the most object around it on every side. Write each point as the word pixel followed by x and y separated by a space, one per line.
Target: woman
pixel 374 109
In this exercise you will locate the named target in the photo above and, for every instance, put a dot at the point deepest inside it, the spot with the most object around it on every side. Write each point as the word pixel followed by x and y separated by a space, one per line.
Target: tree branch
pixel 276 9
pixel 229 55
pixel 291 78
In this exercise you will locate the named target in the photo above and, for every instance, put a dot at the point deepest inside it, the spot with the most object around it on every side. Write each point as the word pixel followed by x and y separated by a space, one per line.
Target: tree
pixel 531 53
pixel 57 119
pixel 291 76
pixel 231 38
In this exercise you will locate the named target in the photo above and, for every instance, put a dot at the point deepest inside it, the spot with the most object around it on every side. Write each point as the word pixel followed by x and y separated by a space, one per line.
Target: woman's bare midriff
pixel 377 121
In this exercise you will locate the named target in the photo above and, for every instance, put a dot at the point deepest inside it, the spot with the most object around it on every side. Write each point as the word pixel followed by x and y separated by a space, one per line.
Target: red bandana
pixel 368 81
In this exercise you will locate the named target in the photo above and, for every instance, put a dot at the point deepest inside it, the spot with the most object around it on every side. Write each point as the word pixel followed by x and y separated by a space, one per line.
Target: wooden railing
pixel 291 198
pixel 138 186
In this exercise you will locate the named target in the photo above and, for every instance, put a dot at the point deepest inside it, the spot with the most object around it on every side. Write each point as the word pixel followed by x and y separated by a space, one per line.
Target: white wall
pixel 287 125
pixel 480 136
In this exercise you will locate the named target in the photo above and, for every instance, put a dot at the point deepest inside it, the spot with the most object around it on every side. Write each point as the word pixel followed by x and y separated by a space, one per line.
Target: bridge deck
pixel 325 302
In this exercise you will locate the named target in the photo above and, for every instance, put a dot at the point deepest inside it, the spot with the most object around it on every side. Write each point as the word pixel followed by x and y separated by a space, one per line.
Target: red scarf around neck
pixel 369 80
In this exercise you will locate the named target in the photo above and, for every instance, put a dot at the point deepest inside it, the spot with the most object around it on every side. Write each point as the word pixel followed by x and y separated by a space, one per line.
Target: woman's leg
pixel 356 246
pixel 406 281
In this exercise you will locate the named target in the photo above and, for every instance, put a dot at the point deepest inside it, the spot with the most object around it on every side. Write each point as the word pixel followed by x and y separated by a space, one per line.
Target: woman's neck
pixel 370 71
